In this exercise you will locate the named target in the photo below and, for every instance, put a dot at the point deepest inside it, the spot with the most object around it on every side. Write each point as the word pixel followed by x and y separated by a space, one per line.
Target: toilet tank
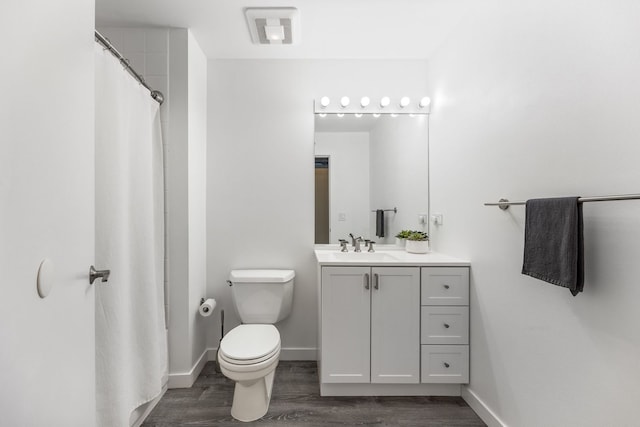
pixel 262 296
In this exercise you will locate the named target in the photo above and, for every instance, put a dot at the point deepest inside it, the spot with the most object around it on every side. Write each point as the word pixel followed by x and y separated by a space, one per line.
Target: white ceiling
pixel 337 29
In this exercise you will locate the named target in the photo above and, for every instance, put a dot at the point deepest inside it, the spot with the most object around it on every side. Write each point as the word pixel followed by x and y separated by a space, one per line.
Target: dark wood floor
pixel 296 402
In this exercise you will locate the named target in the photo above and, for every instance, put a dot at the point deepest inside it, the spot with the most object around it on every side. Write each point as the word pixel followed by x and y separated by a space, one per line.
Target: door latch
pixel 95 274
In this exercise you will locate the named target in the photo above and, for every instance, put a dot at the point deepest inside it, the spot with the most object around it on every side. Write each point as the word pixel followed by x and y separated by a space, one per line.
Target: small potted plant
pixel 401 237
pixel 417 243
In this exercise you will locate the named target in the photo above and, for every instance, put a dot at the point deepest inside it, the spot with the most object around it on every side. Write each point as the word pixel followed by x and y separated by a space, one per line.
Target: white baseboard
pixel 287 353
pixel 484 412
pixel 299 353
pixel 186 379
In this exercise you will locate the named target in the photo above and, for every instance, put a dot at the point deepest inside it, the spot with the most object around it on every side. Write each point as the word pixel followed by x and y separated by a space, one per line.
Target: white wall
pixel 197 171
pixel 399 173
pixel 260 173
pixel 348 154
pixel 47 346
pixel 530 100
pixel 171 61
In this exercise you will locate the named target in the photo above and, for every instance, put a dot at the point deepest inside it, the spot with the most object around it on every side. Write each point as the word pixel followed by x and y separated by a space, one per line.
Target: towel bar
pixel 505 203
pixel 394 210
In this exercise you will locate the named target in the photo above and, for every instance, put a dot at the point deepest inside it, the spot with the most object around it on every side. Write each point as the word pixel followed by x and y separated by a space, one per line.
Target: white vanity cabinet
pixel 370 329
pixel 392 323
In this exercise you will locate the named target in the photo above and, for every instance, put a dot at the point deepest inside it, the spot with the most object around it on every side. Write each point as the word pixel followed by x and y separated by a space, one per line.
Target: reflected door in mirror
pixel 322 199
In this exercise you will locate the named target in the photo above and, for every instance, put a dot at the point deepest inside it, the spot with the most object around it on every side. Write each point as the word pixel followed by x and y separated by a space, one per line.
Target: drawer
pixel 444 325
pixel 445 364
pixel 445 285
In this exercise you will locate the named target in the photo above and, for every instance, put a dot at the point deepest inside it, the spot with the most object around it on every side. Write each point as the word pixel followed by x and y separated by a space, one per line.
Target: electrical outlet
pixel 437 219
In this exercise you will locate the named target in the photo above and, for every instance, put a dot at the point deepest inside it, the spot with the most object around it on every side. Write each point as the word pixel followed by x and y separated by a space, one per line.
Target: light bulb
pixel 344 101
pixel 324 101
pixel 404 101
pixel 323 114
pixel 384 101
pixel 394 115
pixel 364 101
pixel 358 115
pixel 340 114
pixel 412 115
pixel 425 101
pixel 376 115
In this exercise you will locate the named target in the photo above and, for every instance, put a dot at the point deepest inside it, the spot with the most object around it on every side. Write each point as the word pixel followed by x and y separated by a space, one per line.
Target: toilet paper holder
pixel 206 309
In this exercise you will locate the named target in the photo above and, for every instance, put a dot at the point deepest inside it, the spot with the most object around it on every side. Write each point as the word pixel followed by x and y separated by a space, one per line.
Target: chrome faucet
pixel 354 239
pixel 343 245
pixel 357 241
pixel 371 246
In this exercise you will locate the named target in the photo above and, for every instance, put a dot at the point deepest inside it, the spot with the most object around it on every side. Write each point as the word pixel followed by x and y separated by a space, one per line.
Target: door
pixel 322 200
pixel 47 212
pixel 345 312
pixel 395 325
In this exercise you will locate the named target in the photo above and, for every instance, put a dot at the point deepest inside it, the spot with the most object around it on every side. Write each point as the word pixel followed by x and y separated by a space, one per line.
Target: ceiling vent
pixel 273 25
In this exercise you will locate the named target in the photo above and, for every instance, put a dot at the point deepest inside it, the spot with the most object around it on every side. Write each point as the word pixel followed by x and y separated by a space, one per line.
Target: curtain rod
pixel 505 203
pixel 155 94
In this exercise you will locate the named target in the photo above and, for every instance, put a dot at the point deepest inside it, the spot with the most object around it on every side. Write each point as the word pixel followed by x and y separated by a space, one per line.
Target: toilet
pixel 249 353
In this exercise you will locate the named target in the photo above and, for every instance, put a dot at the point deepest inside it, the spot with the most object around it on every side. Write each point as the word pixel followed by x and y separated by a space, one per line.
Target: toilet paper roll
pixel 206 308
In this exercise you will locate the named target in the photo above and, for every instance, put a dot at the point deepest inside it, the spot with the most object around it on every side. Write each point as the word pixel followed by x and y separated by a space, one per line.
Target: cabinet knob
pixel 446 325
pixel 446 286
pixel 446 365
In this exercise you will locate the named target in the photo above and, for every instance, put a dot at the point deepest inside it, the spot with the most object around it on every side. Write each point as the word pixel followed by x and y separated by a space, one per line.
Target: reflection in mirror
pixel 365 163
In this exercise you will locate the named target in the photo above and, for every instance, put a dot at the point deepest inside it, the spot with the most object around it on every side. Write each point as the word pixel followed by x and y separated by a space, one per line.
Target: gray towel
pixel 380 223
pixel 553 242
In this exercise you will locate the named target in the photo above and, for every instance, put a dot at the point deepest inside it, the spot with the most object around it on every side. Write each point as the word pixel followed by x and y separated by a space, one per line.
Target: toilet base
pixel 251 398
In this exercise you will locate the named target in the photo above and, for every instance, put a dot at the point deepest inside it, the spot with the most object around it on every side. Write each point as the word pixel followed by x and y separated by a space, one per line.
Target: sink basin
pixel 362 256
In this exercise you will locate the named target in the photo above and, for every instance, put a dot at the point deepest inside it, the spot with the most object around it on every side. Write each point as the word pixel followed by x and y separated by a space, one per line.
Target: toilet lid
pixel 250 342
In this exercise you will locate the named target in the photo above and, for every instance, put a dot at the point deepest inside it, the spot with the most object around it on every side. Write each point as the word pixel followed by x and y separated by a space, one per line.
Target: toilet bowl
pixel 250 352
pixel 249 355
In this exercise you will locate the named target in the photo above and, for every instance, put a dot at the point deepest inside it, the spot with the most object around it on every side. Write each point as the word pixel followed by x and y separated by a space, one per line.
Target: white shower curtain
pixel 131 344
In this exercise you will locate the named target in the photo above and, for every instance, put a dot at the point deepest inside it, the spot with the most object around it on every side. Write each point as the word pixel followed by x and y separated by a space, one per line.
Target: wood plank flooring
pixel 296 402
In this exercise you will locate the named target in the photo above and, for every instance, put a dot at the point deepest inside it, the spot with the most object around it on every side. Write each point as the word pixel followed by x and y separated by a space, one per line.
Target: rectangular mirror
pixel 367 163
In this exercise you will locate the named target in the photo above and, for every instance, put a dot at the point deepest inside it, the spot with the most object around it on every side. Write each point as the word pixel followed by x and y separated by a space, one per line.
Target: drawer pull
pixel 366 280
pixel 446 325
pixel 376 280
pixel 446 365
pixel 446 286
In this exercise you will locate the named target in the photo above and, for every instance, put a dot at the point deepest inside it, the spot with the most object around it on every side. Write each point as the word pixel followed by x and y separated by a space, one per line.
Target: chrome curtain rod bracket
pixel 155 94
pixel 394 210
pixel 505 203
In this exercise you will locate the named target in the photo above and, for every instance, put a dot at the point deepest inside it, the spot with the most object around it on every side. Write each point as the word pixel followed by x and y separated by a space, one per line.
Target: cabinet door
pixel 346 305
pixel 395 325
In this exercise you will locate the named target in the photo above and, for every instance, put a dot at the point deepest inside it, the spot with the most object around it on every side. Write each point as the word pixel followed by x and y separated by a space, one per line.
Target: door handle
pixel 376 280
pixel 366 280
pixel 94 274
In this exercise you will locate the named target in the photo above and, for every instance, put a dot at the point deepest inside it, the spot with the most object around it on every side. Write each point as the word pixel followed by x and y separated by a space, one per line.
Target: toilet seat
pixel 249 361
pixel 250 344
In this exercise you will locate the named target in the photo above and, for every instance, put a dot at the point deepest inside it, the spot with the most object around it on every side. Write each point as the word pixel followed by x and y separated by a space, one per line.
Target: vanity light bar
pixel 364 104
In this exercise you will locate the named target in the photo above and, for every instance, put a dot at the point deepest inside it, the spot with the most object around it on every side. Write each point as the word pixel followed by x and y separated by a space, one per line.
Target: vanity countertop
pixel 385 255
